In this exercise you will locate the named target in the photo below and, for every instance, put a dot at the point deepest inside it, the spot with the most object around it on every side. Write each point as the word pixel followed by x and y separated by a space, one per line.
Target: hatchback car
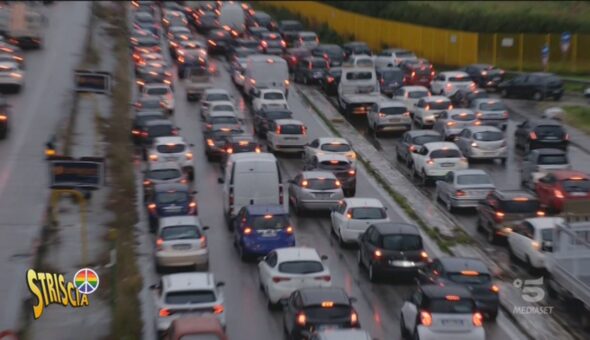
pixel 531 239
pixel 155 128
pixel 221 119
pixel 214 95
pixel 268 99
pixel 536 134
pixel 285 270
pixel 309 309
pixel 465 99
pixel 260 229
pixel 314 190
pixel 447 83
pixel 333 54
pixel 153 75
pixel 537 86
pixel 170 199
pixel 294 55
pixel 173 149
pixel 199 326
pixel 163 91
pixel 264 117
pixel 310 70
pixel 427 110
pixel 149 103
pixel 491 112
pixel 410 141
pixel 181 242
pixel 561 186
pixel 417 72
pixel 450 123
pixel 391 249
pixel 483 142
pixel 218 106
pixel 286 135
pixel 464 188
pixel 158 173
pixel 538 162
pixel 471 273
pixel 187 294
pixel 356 48
pixel 388 115
pixel 214 141
pixel 434 160
pixel 352 216
pixel 441 313
pixel 501 210
pixel 343 169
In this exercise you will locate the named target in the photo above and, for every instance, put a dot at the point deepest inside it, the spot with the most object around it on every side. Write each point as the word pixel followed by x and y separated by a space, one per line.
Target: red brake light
pixel 278 131
pixel 354 318
pixel 278 279
pixel 425 318
pixel 164 312
pixel 558 193
pixel 377 254
pixel 459 193
pixel 159 243
pixel 351 172
pixel 499 215
pixel 326 278
pixel 301 319
pixel 495 289
pixel 218 309
pixel 289 230
pixel 533 135
pixel 247 231
pixel 203 241
pixel 477 319
pixel 152 206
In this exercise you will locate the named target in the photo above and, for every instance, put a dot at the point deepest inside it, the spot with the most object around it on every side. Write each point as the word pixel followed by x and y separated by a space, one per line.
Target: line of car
pixel 12 77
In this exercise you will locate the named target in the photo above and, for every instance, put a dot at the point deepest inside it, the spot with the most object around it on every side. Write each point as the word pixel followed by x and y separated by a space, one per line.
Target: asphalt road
pixel 37 112
pixel 247 315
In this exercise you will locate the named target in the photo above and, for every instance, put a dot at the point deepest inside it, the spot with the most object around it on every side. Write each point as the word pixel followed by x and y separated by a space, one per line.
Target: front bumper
pixel 167 258
pixel 426 333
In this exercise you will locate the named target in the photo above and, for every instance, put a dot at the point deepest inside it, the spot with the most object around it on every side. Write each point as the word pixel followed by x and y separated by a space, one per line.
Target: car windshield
pixel 576 185
pixel 421 140
pixel 368 213
pixel 217 97
pixel 448 153
pixel 180 232
pixel 472 277
pixel 222 108
pixel 322 184
pixel 528 206
pixel 337 312
pixel 274 96
pixel 273 115
pixel 417 94
pixel 444 306
pixel 157 91
pixel 393 76
pixel 335 147
pixel 463 117
pixel 224 120
pixel 393 110
pixel 474 179
pixel 552 159
pixel 488 136
pixel 270 222
pixel 164 174
pixel 333 52
pixel 171 148
pixel 160 130
pixel 492 106
pixel 291 129
pixel 402 242
pixel 457 79
pixel 170 197
pixel 440 105
pixel 301 267
pixel 190 297
pixel 359 75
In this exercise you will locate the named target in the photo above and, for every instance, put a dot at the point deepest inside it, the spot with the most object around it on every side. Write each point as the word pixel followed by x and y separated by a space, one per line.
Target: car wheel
pixel 243 255
pixel 424 179
pixel 511 253
pixel 527 148
pixel 479 225
pixel 538 96
pixel 503 161
pixel 529 264
pixel 372 274
pixel 341 242
pixel 449 205
pixel 402 327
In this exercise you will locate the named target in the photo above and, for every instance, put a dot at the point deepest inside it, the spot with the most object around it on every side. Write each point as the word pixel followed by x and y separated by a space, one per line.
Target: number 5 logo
pixel 532 291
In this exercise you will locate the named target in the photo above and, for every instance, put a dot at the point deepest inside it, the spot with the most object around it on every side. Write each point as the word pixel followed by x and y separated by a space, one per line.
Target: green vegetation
pixel 578 116
pixel 481 16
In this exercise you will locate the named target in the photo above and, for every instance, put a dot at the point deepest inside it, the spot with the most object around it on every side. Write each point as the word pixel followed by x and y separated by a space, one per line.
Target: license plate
pixel 447 165
pixel 181 247
pixel 170 159
pixel 402 263
pixel 393 119
pixel 291 138
pixel 452 322
pixel 323 195
pixel 578 194
pixel 551 137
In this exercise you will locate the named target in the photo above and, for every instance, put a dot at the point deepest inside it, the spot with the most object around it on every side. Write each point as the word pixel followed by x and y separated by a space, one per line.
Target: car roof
pixel 396 228
pixel 395 50
pixel 265 209
pixel 258 156
pixel 160 187
pixel 441 145
pixel 169 140
pixel 455 73
pixel 510 194
pixel 437 292
pixel 487 100
pixel 459 111
pixel 158 122
pixel 436 99
pixel 266 89
pixel 163 165
pixel 458 264
pixel 150 112
pixel 216 91
pixel 297 253
pixel 307 33
pixel 317 295
pixel 332 140
pixel 363 202
pixel 331 157
pixel 189 325
pixel 223 114
pixel 318 174
pixel 544 222
pixel 483 128
pixel 414 88
pixel 566 174
pixel 242 137
pixel 416 133
pixel 186 281
pixel 288 121
pixel 157 85
pixel 358 68
pixel 549 151
pixel 391 103
pixel 179 220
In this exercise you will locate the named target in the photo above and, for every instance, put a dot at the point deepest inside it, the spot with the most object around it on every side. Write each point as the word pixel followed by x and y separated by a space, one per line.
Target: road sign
pixel 566 38
pixel 82 173
pixel 545 54
pixel 93 81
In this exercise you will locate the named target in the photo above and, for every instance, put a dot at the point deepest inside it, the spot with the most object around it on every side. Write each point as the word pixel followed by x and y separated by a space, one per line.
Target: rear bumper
pixel 426 333
pixel 465 202
pixel 384 268
pixel 310 204
pixel 351 235
pixel 181 259
pixel 263 248
pixel 488 154
pixel 289 148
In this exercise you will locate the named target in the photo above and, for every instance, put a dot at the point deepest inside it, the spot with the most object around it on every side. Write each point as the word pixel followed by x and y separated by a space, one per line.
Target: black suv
pixel 391 248
pixel 502 210
pixel 390 79
pixel 310 308
pixel 468 272
pixel 263 118
pixel 310 70
pixel 537 134
pixel 537 86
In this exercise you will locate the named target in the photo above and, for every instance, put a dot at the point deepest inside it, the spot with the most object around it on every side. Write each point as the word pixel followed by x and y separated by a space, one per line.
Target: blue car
pixel 259 229
pixel 170 199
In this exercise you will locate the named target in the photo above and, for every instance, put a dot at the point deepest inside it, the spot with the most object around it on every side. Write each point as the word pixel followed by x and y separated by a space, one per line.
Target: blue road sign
pixel 566 39
pixel 545 54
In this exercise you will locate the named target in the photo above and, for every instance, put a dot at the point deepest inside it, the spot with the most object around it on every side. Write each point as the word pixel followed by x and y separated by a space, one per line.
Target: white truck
pixel 568 263
pixel 22 24
pixel 358 90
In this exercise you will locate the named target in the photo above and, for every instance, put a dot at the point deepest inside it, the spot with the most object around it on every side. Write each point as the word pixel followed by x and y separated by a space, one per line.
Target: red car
pixel 195 327
pixel 558 187
pixel 418 72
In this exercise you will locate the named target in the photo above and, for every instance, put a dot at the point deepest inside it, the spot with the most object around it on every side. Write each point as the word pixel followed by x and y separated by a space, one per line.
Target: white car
pixel 410 95
pixel 427 110
pixel 286 270
pixel 353 216
pixel 187 294
pixel 307 40
pixel 531 238
pixel 389 115
pixel 361 61
pixel 180 242
pixel 393 57
pixel 286 135
pixel 213 95
pixel 164 92
pixel 434 160
pixel 11 76
pixel 329 145
pixel 447 83
pixel 219 106
pixel 173 149
pixel 268 99
pixel 441 312
pixel 342 334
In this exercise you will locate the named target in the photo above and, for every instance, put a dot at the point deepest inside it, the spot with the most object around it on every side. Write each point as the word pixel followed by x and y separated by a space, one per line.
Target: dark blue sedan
pixel 170 199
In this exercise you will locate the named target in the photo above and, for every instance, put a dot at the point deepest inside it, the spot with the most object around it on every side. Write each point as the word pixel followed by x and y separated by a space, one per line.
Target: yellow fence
pixel 448 47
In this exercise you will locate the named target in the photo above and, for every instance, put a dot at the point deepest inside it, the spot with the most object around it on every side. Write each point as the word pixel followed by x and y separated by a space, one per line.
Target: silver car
pixel 463 188
pixel 451 123
pixel 181 242
pixel 315 190
pixel 483 142
pixel 538 162
pixel 491 112
pixel 164 172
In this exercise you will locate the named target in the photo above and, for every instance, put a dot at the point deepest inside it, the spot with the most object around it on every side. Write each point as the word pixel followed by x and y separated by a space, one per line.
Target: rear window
pixel 270 222
pixel 169 197
pixel 393 76
pixel 393 110
pixel 553 159
pixel 549 130
pixel 274 96
pixel 402 242
pixel 440 105
pixel 273 115
pixel 492 106
pixel 322 184
pixel 309 38
pixel 458 79
pixel 319 64
pixel 222 108
pixel 190 297
pixel 301 267
pixel 417 94
pixel 449 153
pixel 224 120
pixel 171 148
pixel 158 91
pixel 335 165
pixel 292 129
pixel 473 179
pixel 335 147
pixel 479 278
pixel 359 76
pixel 217 97
pixel 150 103
pixel 160 130
pixel 488 136
pixel 522 207
pixel 445 306
pixel 421 140
pixel 164 174
pixel 337 312
pixel 368 213
pixel 463 117
pixel 180 232
pixel 580 185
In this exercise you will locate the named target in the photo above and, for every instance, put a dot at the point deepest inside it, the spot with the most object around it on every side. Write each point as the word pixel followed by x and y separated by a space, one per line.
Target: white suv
pixel 173 149
pixel 286 135
pixel 389 115
pixel 353 216
pixel 329 145
pixel 434 160
pixel 447 83
pixel 427 109
pixel 181 242
pixel 268 98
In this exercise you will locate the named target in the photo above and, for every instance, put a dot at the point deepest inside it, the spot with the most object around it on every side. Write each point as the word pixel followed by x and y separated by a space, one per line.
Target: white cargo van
pixel 266 71
pixel 232 18
pixel 251 178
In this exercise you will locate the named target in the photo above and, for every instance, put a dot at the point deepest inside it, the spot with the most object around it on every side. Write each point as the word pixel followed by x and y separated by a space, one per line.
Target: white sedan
pixel 286 270
pixel 11 75
pixel 173 149
pixel 329 145
pixel 164 92
pixel 353 216
pixel 434 160
pixel 531 239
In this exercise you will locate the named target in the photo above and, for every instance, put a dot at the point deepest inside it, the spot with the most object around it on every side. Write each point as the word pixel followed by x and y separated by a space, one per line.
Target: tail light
pixel 540 213
pixel 147 182
pixel 211 42
pixel 533 135
pixel 354 318
pixel 210 142
pixel 289 230
pixel 203 241
pixel 278 130
pixel 218 309
pixel 301 319
pixel 407 113
pixel 499 216
pixel 474 145
pixel 293 59
pixel 352 172
pixel 495 289
pixel 229 151
pixel 193 207
pixel 326 278
pixel 247 231
pixel 144 134
pixel 558 193
pixel 287 83
pixel 153 158
pixel 425 318
pixel 413 74
pixel 304 130
pixel 338 184
pixel 381 114
pixel 567 136
pixel 484 73
pixel 412 148
pixel 430 162
pixel 133 132
pixel 164 312
pixel 278 279
pixel 159 243
pixel 152 206
pixel 330 79
pixel 477 319
pixel 451 123
pixel 304 184
pixel 506 114
pixel 264 43
pixel 427 108
pixel 459 193
pixel 377 254
pixel 477 123
pixel 283 43
pixel 479 114
pixel 189 155
pixel 326 56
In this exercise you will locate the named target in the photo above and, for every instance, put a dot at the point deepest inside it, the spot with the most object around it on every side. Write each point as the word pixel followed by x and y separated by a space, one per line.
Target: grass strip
pixel 578 116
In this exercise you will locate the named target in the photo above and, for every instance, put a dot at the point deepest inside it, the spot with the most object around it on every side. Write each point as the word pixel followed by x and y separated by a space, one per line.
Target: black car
pixel 257 32
pixel 241 44
pixel 263 117
pixel 190 58
pixel 215 139
pixel 310 70
pixel 153 75
pixel 391 249
pixel 145 44
pixel 293 55
pixel 289 30
pixel 4 117
pixel 169 199
pixel 153 129
pixel 333 54
pixel 206 22
pixel 310 308
pixel 218 41
pixel 484 75
pixel 151 103
pixel 329 82
pixel 468 272
pixel 411 140
pixel 138 133
pixel 390 79
pixel 537 86
pixel 537 134
pixel 464 98
pixel 238 144
pixel 261 19
pixel 356 48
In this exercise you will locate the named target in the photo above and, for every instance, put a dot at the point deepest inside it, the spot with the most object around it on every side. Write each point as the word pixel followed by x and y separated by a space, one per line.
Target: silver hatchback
pixel 483 142
pixel 450 123
pixel 315 190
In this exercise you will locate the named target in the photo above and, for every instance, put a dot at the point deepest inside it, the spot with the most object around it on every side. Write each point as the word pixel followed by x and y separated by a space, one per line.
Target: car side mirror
pixel 220 180
pixel 194 192
pixel 220 284
pixel 205 227
pixel 324 257
pixel 155 286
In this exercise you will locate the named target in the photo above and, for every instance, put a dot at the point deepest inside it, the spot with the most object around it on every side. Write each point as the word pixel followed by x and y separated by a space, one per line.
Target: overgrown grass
pixel 578 116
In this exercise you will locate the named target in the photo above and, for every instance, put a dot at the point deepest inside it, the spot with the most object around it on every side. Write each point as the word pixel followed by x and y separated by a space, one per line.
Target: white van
pixel 251 178
pixel 266 71
pixel 232 18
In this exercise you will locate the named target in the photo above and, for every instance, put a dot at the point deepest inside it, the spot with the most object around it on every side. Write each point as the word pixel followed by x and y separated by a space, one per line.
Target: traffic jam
pixel 263 224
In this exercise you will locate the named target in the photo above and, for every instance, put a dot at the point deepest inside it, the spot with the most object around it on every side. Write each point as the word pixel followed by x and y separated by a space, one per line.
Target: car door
pixel 462 139
pixel 337 216
pixel 372 243
pixel 518 86
pixel 410 310
pixel 444 187
pixel 311 149
pixel 295 187
pixel 267 268
pixel 364 245
pixel 527 161
pixel 545 188
pixel 402 146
